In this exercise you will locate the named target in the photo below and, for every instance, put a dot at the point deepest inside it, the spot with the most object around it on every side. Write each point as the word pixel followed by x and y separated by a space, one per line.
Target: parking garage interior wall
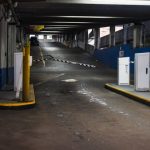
pixel 109 56
pixel 83 43
pixel 81 40
pixel 88 48
pixel 10 53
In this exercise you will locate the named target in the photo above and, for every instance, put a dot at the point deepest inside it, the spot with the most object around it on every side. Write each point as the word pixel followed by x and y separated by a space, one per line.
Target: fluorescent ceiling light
pixel 87 17
pixel 47 26
pixel 107 2
pixel 58 27
pixel 49 31
pixel 70 22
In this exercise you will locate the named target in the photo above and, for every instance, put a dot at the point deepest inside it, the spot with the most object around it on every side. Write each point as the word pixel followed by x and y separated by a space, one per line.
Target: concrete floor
pixel 75 111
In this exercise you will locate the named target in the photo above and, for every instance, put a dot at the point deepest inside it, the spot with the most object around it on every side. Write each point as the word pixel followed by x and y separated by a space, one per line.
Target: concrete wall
pixel 90 49
pixel 81 40
pixel 119 36
pixel 83 43
pixel 109 56
pixel 10 55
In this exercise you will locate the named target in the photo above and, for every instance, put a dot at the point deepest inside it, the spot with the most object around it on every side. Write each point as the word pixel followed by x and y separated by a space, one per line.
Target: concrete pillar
pixel 86 38
pixel 138 35
pixel 77 36
pixel 3 50
pixel 19 39
pixel 125 30
pixel 64 38
pixel 144 35
pixel 12 47
pixel 60 38
pixel 22 37
pixel 97 38
pixel 45 37
pixel 112 41
pixel 73 40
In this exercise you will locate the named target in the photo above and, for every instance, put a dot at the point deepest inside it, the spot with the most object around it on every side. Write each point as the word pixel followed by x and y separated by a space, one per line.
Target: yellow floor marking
pixel 128 93
pixel 22 104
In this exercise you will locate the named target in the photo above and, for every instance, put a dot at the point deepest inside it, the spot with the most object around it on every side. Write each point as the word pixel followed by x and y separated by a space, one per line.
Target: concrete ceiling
pixel 75 15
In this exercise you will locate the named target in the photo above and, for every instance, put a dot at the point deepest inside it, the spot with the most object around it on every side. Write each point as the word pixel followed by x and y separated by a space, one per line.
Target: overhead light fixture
pixel 105 2
pixel 60 27
pixel 87 17
pixel 71 22
pixel 49 31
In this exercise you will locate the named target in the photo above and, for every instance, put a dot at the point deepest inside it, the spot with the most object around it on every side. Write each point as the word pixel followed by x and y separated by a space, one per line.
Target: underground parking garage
pixel 74 75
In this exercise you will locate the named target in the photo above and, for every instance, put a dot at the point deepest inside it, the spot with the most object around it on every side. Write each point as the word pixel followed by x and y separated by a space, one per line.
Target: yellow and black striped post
pixel 26 72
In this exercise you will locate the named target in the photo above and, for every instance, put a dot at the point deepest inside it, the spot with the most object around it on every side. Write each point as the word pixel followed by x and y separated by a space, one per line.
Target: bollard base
pixel 18 103
pixel 128 91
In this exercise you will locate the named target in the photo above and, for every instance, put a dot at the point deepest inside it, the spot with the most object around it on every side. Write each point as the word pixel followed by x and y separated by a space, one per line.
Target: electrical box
pixel 124 71
pixel 142 72
pixel 18 72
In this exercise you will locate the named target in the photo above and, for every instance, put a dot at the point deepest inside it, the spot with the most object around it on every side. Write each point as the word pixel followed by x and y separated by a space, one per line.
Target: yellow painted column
pixel 26 72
